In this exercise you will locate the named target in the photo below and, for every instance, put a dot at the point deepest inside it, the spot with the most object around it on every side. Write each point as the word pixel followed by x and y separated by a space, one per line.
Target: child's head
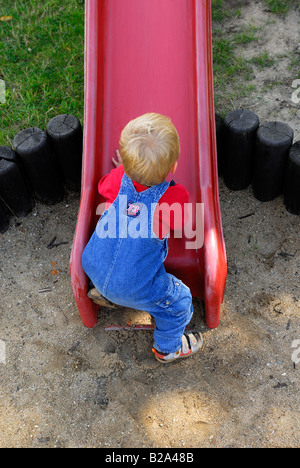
pixel 149 148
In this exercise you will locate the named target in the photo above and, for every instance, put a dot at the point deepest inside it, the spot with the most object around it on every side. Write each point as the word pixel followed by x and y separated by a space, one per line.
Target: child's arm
pixel 117 162
pixel 109 185
pixel 170 214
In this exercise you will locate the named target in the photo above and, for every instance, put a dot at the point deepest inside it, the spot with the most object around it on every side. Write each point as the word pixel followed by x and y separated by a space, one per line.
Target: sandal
pixel 191 343
pixel 96 297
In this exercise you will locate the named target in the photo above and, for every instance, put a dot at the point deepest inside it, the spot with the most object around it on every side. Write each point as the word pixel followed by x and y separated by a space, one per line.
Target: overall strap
pixel 151 195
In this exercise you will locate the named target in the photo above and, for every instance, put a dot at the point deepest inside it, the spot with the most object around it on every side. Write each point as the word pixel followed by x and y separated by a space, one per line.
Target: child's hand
pixel 117 162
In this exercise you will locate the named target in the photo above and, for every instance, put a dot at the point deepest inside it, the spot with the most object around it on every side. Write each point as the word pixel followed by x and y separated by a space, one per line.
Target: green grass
pixel 233 73
pixel 226 62
pixel 246 35
pixel 220 13
pixel 281 6
pixel 41 63
pixel 262 60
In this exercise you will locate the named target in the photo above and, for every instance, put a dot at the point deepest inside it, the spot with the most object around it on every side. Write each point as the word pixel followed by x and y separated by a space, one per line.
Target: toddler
pixel 125 256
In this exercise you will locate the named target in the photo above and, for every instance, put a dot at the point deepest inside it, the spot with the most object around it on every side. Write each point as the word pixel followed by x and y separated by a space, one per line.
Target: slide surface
pixel 153 56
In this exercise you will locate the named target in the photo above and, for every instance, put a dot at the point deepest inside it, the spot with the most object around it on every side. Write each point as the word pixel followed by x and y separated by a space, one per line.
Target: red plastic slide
pixel 153 56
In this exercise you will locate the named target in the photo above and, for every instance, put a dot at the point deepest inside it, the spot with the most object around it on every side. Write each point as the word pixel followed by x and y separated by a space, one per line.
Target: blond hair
pixel 149 147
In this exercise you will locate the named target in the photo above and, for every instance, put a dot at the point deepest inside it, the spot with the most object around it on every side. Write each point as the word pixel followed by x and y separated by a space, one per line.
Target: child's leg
pixel 172 314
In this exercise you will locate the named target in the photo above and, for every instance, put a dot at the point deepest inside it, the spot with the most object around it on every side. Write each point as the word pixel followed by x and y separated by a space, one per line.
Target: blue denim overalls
pixel 124 260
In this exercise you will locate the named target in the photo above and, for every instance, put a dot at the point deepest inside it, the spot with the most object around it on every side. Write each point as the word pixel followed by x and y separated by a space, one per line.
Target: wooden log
pixel 13 190
pixel 8 154
pixel 220 142
pixel 273 142
pixel 42 169
pixel 66 136
pixel 292 180
pixel 4 219
pixel 240 127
